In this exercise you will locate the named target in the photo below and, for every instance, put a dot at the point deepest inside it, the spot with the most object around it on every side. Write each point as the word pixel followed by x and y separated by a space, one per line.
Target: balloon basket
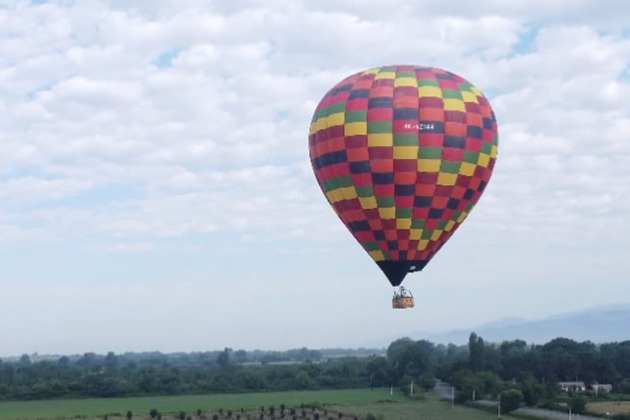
pixel 402 302
pixel 403 299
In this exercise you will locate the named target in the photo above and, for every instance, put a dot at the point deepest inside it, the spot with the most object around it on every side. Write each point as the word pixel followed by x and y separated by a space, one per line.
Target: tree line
pixel 227 371
pixel 514 371
pixel 477 369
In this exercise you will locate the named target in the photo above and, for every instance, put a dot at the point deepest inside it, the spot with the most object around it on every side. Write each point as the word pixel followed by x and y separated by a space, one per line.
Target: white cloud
pixel 126 125
pixel 89 108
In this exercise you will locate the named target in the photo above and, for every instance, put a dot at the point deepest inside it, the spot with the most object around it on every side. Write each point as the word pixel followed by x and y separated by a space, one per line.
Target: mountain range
pixel 599 324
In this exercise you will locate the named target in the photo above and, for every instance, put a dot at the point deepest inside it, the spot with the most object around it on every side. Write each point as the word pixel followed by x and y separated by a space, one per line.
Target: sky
pixel 156 191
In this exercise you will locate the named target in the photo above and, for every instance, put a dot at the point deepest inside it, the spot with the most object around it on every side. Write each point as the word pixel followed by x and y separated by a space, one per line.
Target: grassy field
pixel 429 408
pixel 612 407
pixel 356 402
pixel 98 407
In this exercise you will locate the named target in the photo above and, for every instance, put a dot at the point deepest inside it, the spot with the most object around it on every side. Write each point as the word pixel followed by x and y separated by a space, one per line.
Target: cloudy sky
pixel 156 191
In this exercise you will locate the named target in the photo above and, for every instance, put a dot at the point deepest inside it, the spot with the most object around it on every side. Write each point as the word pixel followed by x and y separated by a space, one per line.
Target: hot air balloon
pixel 403 154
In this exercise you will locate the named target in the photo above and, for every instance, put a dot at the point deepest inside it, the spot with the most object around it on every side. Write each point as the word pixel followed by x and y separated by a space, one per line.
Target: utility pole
pixel 499 406
pixel 452 396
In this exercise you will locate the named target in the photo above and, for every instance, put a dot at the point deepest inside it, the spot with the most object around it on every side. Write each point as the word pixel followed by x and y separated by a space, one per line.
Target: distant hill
pixel 599 325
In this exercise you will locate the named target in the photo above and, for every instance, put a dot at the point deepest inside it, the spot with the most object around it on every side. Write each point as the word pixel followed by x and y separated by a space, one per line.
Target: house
pixel 572 386
pixel 597 388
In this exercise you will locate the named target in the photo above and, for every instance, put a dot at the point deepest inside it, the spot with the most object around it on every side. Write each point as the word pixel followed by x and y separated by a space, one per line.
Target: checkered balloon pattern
pixel 403 153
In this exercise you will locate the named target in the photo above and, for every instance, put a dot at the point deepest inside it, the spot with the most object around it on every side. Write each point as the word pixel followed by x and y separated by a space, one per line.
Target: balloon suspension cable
pixel 402 299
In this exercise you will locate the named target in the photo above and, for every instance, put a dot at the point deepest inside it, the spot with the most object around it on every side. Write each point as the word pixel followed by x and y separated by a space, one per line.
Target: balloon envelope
pixel 403 153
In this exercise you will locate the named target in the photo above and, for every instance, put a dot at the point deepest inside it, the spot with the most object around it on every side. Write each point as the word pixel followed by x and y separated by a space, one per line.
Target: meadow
pixel 612 407
pixel 428 408
pixel 98 407
pixel 357 402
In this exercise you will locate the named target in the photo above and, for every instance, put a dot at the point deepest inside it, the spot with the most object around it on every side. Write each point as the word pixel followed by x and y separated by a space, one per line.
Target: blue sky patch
pixel 527 41
pixel 165 59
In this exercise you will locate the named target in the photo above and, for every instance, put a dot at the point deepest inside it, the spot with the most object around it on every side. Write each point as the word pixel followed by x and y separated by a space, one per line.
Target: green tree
pixel 153 413
pixel 532 390
pixel 181 415
pixel 111 363
pixel 408 386
pixel 475 349
pixel 379 371
pixel 224 357
pixel 511 399
pixel 240 356
pixel 303 381
pixel 426 381
pixel 577 404
pixel 129 415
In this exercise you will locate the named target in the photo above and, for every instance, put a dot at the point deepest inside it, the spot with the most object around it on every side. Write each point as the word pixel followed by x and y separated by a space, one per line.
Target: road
pixel 445 391
pixel 549 414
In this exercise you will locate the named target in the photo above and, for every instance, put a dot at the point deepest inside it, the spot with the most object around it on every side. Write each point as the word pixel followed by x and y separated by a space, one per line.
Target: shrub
pixel 511 400
pixel 577 404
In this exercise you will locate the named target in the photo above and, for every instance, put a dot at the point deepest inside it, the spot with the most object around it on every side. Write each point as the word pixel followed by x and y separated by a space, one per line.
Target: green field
pixel 612 407
pixel 429 408
pixel 97 407
pixel 354 401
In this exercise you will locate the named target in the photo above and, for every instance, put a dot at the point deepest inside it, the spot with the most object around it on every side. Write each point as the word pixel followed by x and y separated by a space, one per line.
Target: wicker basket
pixel 402 302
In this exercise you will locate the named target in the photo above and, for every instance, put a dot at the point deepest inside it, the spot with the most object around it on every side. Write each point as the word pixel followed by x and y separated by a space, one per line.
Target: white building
pixel 572 386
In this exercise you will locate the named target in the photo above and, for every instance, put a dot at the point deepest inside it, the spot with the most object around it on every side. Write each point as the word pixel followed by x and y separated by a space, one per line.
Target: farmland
pixel 358 402
pixel 98 407
pixel 612 407
pixel 429 408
